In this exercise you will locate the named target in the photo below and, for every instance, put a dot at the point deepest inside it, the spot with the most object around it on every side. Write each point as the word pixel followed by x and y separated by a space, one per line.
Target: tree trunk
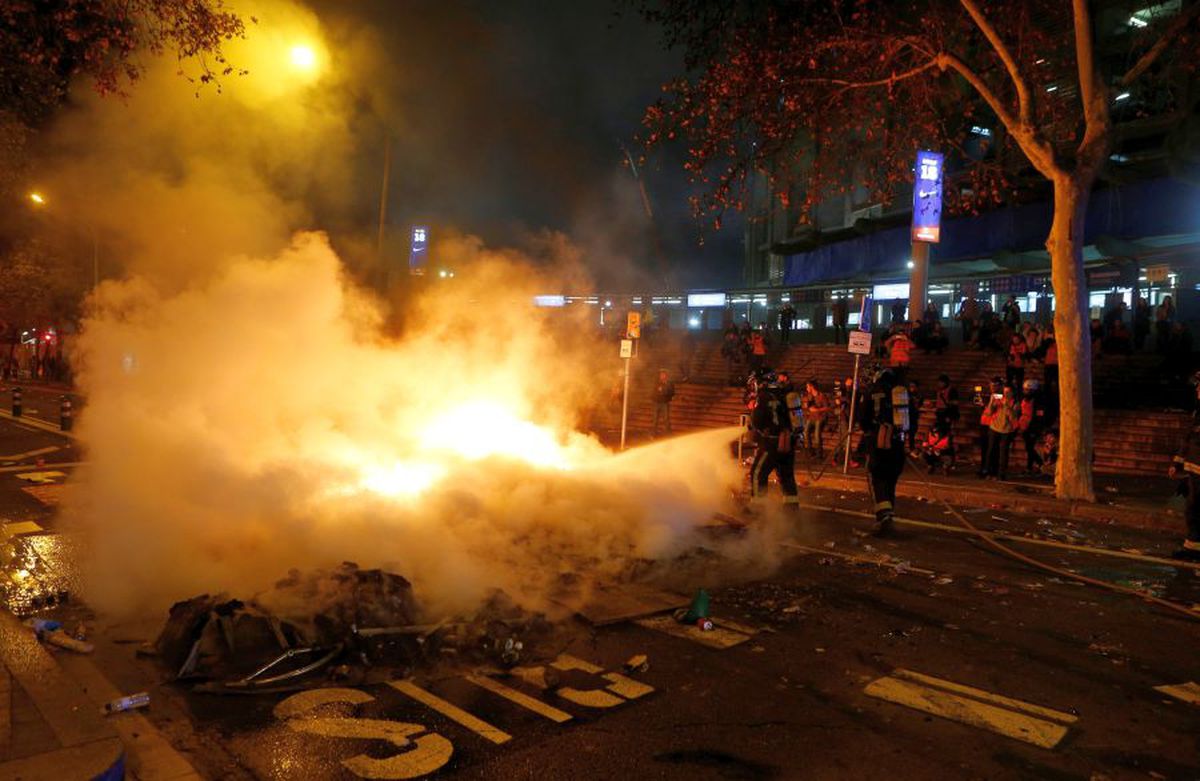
pixel 1073 479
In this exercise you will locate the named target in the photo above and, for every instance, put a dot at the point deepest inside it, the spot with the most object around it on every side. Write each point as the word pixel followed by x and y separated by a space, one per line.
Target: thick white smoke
pixel 259 421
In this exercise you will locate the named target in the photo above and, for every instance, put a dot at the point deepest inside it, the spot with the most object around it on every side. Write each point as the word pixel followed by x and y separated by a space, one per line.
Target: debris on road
pixel 131 702
pixel 639 663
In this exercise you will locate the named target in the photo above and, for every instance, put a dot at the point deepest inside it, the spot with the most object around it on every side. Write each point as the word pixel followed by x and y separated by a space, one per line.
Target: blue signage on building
pixel 419 252
pixel 927 198
pixel 864 314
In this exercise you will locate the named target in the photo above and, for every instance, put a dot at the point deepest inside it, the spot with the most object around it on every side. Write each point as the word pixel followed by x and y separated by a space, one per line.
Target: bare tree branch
pixel 1024 103
pixel 1085 57
pixel 1039 152
pixel 1165 40
pixel 895 77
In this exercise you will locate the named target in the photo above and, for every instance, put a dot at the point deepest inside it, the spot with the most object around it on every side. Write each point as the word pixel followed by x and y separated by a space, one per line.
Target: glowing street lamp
pixel 303 57
pixel 39 200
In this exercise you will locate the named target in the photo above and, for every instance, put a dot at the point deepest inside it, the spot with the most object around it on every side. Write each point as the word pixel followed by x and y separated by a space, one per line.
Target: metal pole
pixel 850 421
pixel 383 192
pixel 918 283
pixel 625 404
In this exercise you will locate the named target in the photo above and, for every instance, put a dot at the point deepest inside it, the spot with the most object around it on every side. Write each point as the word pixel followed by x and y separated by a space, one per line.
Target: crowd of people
pixel 48 367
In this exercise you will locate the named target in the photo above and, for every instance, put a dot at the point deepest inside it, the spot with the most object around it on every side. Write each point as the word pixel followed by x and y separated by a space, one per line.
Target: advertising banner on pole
pixel 927 198
pixel 418 253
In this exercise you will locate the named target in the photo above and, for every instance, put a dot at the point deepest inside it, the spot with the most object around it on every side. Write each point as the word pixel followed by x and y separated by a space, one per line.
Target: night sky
pixel 507 118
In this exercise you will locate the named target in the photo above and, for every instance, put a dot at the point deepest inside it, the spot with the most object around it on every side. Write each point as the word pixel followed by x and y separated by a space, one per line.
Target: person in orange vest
pixel 758 350
pixel 900 348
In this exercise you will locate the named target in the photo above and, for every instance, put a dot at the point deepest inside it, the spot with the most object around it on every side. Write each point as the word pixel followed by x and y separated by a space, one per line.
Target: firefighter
pixel 885 426
pixel 775 445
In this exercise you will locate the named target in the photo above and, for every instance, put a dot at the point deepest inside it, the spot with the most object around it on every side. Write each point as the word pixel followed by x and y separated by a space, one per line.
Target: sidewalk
pixel 1142 502
pixel 49 728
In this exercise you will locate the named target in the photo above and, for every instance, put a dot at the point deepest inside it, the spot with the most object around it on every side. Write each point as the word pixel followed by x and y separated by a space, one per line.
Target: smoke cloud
pixel 261 422
pixel 252 409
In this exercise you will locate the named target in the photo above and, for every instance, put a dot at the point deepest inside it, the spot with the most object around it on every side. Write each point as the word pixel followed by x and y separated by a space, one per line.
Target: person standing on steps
pixel 840 311
pixel 664 391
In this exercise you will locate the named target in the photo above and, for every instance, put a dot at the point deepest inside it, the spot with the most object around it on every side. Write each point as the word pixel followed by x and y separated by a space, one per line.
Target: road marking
pixel 37 423
pixel 1188 692
pixel 451 711
pixel 624 687
pixel 23 467
pixel 41 477
pixel 986 696
pixel 10 530
pixel 425 753
pixel 717 637
pixel 1016 724
pixel 519 698
pixel 30 454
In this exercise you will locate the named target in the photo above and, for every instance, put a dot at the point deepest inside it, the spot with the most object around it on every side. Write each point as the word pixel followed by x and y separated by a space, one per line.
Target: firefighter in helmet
pixel 886 424
pixel 775 445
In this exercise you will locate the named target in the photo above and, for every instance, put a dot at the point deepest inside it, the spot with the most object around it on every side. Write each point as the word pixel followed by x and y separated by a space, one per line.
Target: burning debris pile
pixel 346 623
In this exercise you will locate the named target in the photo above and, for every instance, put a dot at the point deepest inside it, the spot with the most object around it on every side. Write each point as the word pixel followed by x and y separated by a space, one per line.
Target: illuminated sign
pixel 549 300
pixel 418 254
pixel 706 299
pixel 927 198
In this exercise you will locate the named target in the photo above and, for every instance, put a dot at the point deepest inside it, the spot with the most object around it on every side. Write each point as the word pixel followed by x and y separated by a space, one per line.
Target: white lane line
pixel 1188 692
pixel 988 715
pixel 451 711
pixel 519 698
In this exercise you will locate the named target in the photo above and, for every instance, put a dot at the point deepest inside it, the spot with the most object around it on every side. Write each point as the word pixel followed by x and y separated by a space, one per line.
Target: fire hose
pixel 991 540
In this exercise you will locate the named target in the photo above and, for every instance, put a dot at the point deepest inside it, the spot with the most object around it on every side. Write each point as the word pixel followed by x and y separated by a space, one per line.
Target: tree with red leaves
pixel 46 43
pixel 821 98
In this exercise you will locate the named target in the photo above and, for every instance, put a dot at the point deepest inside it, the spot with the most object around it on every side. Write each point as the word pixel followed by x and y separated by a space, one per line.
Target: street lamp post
pixel 40 201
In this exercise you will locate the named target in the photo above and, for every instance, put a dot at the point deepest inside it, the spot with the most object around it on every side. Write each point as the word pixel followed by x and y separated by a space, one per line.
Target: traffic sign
pixel 860 343
pixel 626 348
pixel 633 325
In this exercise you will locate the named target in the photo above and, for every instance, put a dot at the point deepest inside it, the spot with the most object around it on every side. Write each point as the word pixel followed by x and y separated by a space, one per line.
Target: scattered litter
pixel 944 581
pixel 704 624
pixel 819 650
pixel 792 609
pixel 63 640
pixel 998 518
pixel 831 545
pixel 637 664
pixel 758 649
pixel 139 700
pixel 49 631
pixel 1112 489
pixel 825 561
pixel 869 548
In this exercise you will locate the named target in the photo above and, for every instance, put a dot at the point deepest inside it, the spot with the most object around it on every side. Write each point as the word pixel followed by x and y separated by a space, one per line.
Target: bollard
pixel 65 414
pixel 16 402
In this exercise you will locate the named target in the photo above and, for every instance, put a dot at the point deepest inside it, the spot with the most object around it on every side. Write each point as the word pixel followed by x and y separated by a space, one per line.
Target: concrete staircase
pixel 1128 441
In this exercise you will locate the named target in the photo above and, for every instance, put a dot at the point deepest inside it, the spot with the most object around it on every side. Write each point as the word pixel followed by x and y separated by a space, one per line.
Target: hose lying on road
pixel 1064 573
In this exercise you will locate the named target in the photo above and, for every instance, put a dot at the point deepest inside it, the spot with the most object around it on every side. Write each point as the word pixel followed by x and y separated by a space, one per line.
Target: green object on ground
pixel 698 609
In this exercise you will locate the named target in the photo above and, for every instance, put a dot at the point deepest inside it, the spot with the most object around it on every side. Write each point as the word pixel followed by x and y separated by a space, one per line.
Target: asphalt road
pixel 844 669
